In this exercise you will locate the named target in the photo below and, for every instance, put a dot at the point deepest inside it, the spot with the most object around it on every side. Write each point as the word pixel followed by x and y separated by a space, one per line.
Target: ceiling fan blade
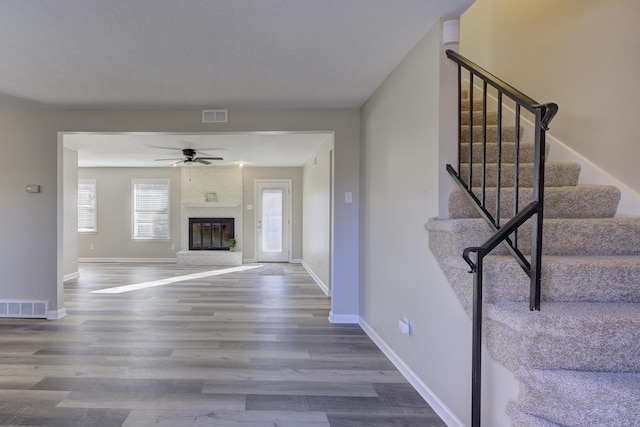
pixel 177 163
pixel 160 160
pixel 204 162
pixel 210 158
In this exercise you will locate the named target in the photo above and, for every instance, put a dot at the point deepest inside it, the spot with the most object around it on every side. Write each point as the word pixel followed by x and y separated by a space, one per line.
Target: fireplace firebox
pixel 210 234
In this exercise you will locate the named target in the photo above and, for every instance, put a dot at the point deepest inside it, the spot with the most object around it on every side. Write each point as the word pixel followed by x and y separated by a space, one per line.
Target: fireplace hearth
pixel 210 234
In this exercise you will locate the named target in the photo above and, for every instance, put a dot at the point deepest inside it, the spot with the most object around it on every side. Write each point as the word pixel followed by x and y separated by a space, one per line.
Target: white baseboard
pixel 427 394
pixel 124 260
pixel 295 261
pixel 249 261
pixel 56 314
pixel 337 319
pixel 70 276
pixel 320 283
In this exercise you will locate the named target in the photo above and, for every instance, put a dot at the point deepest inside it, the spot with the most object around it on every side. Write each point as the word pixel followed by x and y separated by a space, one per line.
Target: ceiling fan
pixel 191 158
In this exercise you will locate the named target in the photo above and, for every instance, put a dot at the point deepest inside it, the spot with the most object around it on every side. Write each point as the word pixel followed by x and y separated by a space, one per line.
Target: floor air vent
pixel 30 309
pixel 215 116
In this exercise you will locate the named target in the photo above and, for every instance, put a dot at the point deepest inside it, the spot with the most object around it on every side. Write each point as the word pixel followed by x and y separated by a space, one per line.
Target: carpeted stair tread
pixel 556 174
pixel 579 398
pixel 585 236
pixel 565 335
pixel 583 201
pixel 507 154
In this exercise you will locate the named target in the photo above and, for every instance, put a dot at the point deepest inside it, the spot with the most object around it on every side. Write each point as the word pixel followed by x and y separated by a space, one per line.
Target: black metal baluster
pixel 499 160
pixel 459 117
pixel 469 182
pixel 516 178
pixel 476 362
pixel 484 143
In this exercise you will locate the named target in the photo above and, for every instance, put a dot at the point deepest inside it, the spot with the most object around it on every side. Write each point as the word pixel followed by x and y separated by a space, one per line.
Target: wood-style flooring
pixel 247 348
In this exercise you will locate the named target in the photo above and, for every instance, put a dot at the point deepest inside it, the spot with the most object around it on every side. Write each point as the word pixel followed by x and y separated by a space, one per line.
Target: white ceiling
pixel 204 54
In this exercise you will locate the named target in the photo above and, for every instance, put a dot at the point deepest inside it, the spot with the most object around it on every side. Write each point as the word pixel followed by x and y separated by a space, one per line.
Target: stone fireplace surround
pixel 196 182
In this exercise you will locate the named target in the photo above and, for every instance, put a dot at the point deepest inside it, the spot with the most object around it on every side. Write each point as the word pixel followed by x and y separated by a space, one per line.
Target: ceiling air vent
pixel 215 116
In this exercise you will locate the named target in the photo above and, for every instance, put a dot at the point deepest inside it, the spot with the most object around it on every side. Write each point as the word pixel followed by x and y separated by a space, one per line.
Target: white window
pixel 87 206
pixel 150 209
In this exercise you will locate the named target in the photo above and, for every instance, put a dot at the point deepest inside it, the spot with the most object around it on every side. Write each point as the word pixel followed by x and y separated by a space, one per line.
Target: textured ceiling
pixel 206 53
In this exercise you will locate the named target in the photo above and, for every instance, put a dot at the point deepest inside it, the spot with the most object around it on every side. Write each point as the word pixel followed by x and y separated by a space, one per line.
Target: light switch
pixel 348 197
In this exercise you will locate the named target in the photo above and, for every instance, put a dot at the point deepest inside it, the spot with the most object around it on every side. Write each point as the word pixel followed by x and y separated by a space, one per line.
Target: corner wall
pixel 70 195
pixel 400 128
pixel 317 216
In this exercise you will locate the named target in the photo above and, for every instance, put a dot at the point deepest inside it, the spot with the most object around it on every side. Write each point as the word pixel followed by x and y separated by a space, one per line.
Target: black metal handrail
pixel 506 234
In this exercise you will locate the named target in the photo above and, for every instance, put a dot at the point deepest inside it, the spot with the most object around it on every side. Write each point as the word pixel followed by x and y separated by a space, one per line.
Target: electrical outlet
pixel 404 326
pixel 91 246
pixel 173 247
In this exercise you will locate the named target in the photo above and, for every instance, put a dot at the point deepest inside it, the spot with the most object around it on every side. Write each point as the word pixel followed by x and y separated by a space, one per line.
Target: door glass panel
pixel 272 220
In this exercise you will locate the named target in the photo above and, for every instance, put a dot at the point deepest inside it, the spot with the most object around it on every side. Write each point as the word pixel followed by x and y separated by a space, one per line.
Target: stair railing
pixel 506 234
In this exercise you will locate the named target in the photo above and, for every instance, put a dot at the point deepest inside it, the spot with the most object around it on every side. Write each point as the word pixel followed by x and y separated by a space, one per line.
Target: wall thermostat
pixel 33 188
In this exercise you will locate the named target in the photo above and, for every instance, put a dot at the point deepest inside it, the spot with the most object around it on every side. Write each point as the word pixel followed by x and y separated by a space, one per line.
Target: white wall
pixel 399 275
pixel 70 247
pixel 581 54
pixel 317 216
pixel 113 238
pixel 28 222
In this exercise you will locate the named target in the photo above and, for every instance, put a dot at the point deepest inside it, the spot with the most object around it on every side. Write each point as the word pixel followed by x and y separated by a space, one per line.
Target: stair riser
pixel 555 175
pixel 522 419
pixel 577 280
pixel 616 236
pixel 492 117
pixel 477 104
pixel 571 397
pixel 588 346
pixel 508 133
pixel 507 154
pixel 560 202
pixel 565 280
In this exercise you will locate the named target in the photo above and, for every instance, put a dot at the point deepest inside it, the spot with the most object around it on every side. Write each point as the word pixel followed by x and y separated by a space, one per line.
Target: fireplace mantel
pixel 211 204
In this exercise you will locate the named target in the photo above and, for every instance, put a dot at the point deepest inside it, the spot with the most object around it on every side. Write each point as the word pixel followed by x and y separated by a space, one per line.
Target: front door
pixel 272 220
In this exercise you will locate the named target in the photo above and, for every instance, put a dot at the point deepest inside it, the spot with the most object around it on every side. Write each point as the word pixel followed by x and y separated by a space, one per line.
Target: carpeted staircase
pixel 578 359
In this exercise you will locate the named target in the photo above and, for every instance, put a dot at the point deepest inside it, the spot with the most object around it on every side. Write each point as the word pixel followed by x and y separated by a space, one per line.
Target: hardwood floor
pixel 248 348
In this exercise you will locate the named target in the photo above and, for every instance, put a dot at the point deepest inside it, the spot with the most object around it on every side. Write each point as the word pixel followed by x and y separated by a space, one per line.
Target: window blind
pixel 150 209
pixel 87 206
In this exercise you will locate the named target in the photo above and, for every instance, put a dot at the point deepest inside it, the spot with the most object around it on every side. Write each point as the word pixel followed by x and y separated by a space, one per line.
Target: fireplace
pixel 210 234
